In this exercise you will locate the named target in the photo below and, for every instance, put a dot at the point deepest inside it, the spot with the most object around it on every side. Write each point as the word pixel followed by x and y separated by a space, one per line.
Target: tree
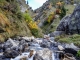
pixel 27 2
pixel 63 12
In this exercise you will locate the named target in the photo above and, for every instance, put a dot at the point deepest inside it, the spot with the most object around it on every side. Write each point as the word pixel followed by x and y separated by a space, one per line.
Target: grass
pixel 4 20
pixel 48 28
pixel 69 39
pixel 51 27
pixel 54 25
pixel 70 9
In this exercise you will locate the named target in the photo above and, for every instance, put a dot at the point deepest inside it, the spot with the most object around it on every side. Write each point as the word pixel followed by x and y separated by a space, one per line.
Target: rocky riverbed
pixel 30 48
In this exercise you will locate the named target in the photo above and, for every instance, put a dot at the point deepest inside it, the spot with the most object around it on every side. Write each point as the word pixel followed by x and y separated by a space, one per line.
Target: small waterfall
pixel 53 57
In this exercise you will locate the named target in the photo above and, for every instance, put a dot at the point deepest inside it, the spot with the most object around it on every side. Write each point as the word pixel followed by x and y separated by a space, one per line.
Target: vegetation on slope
pixel 35 30
pixel 52 21
pixel 69 39
pixel 12 21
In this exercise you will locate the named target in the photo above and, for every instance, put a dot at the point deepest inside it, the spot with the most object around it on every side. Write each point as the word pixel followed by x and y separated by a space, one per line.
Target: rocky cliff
pixel 43 12
pixel 71 24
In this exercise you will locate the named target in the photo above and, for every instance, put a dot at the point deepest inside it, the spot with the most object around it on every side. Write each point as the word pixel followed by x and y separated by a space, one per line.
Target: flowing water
pixel 36 47
pixel 43 47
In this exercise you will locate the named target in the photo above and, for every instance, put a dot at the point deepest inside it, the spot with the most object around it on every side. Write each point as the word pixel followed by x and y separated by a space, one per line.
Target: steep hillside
pixel 48 18
pixel 12 22
pixel 25 7
pixel 12 19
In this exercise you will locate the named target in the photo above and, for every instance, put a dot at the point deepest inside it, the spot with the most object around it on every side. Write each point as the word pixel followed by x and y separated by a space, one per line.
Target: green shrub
pixel 51 26
pixel 63 12
pixel 20 15
pixel 27 17
pixel 35 32
pixel 77 43
pixel 69 39
pixel 45 23
pixel 2 1
pixel 78 54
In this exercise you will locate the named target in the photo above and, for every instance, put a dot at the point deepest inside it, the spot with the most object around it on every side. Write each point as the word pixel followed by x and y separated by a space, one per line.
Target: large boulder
pixel 45 53
pixel 57 33
pixel 71 24
pixel 37 57
pixel 10 53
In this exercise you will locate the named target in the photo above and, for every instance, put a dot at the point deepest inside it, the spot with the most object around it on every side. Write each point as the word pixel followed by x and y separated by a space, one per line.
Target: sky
pixel 36 3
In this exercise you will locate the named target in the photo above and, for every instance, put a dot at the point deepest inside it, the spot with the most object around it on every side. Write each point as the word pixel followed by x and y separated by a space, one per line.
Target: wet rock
pixel 45 53
pixel 71 51
pixel 24 58
pixel 71 46
pixel 38 41
pixel 1 48
pixel 22 42
pixel 9 44
pixel 61 55
pixel 10 53
pixel 20 48
pixel 68 56
pixel 6 45
pixel 45 43
pixel 60 47
pixel 31 53
pixel 0 58
pixel 46 36
pixel 26 47
pixel 35 45
pixel 28 39
pixel 37 57
pixel 55 44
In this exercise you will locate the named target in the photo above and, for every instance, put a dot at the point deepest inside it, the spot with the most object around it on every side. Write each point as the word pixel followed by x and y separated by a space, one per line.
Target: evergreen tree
pixel 27 2
pixel 63 12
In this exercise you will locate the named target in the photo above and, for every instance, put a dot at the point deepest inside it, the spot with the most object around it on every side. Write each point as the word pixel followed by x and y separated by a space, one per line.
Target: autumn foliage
pixel 32 25
pixel 51 17
pixel 58 11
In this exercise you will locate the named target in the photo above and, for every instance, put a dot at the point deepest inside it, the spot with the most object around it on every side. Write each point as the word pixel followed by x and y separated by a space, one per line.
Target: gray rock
pixel 56 33
pixel 1 47
pixel 45 44
pixel 37 57
pixel 66 56
pixel 45 53
pixel 71 24
pixel 71 46
pixel 26 47
pixel 71 51
pixel 11 53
